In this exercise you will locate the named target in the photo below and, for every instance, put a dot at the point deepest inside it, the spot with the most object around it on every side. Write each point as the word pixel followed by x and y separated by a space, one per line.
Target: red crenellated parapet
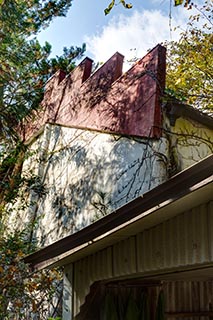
pixel 106 101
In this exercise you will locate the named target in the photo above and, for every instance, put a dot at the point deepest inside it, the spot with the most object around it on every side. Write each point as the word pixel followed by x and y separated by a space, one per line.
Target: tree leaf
pixel 109 8
pixel 178 2
pixel 126 5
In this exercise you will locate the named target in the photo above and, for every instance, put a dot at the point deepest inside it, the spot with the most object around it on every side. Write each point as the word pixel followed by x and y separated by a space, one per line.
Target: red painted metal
pixel 108 101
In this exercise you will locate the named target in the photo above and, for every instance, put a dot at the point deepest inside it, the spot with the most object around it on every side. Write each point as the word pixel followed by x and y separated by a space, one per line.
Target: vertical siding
pixel 185 240
pixel 124 257
pixel 180 297
pixel 88 270
pixel 181 241
pixel 67 292
pixel 188 296
pixel 210 228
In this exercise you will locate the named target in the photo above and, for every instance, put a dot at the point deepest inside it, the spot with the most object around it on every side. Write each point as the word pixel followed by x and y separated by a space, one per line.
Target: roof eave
pixel 176 109
pixel 179 188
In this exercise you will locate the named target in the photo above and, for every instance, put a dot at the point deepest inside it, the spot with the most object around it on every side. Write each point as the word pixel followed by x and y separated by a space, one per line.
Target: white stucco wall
pixel 81 175
pixel 192 142
pixel 85 175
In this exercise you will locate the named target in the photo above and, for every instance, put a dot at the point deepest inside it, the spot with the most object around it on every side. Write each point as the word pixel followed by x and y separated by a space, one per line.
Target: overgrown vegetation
pixel 190 61
pixel 23 294
pixel 25 66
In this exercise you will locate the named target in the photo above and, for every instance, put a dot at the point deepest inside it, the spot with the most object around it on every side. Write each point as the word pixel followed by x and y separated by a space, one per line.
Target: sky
pixel 131 32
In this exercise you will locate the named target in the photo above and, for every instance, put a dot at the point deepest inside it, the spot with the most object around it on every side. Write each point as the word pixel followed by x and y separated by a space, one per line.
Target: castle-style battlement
pixel 107 100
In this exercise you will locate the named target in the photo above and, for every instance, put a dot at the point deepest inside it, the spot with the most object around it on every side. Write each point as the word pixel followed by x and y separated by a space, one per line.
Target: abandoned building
pixel 123 198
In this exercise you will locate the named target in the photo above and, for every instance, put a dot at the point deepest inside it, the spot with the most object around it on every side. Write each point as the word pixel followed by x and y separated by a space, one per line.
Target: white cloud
pixel 133 35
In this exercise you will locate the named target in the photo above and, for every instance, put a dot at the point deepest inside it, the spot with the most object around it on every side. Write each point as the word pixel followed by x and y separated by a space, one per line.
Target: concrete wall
pixel 84 175
pixel 98 142
pixel 190 142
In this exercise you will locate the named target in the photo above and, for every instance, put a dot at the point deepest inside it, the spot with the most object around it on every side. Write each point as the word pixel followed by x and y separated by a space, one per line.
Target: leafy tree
pixel 23 294
pixel 190 61
pixel 25 65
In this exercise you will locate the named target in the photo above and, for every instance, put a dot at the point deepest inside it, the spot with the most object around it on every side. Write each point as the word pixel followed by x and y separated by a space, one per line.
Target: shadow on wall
pixel 127 104
pixel 136 300
pixel 88 175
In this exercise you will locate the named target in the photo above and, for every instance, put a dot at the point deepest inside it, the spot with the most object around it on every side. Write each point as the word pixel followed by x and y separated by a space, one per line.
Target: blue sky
pixel 130 32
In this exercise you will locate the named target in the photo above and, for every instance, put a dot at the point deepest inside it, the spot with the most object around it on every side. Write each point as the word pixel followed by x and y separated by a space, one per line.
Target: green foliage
pixel 10 172
pixel 131 308
pixel 30 16
pixel 23 294
pixel 112 4
pixel 109 309
pixel 25 65
pixel 187 4
pixel 178 2
pixel 34 183
pixel 190 61
pixel 144 307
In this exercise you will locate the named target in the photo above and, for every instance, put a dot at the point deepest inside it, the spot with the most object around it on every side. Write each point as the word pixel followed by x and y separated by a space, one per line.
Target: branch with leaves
pixel 186 3
pixel 190 61
pixel 25 66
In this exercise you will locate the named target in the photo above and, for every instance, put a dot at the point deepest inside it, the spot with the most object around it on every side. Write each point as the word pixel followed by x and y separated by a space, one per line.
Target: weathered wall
pixel 84 175
pixel 181 242
pixel 185 299
pixel 75 172
pixel 189 141
pixel 107 100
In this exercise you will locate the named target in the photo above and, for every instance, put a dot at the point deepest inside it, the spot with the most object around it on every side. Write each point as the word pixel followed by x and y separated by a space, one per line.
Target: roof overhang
pixel 182 192
pixel 176 109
